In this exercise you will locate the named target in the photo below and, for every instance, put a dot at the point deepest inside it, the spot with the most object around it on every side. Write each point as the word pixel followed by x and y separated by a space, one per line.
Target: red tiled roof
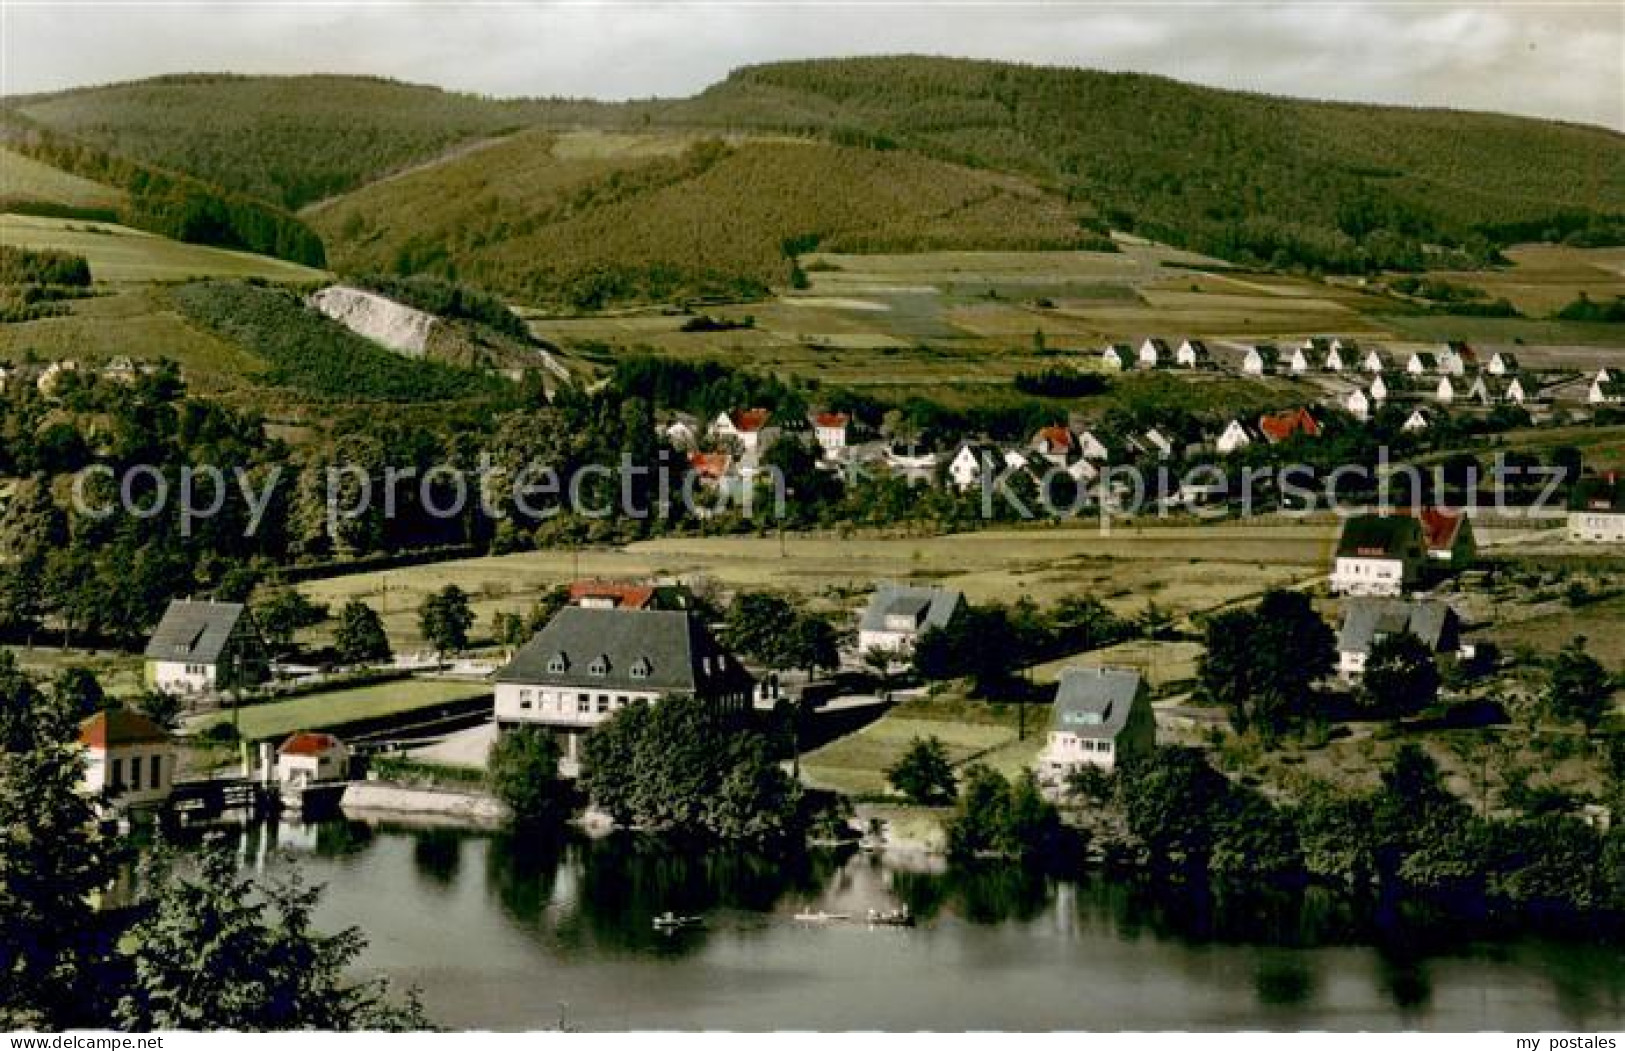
pixel 1058 437
pixel 831 419
pixel 750 419
pixel 710 465
pixel 1441 527
pixel 120 727
pixel 307 743
pixel 625 595
pixel 1279 426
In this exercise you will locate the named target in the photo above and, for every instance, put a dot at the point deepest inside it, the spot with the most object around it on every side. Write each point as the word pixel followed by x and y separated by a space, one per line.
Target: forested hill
pixel 1234 174
pixel 288 140
pixel 1247 177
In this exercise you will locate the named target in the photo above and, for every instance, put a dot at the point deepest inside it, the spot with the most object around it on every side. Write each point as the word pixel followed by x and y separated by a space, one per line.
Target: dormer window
pixel 558 664
pixel 640 668
pixel 599 665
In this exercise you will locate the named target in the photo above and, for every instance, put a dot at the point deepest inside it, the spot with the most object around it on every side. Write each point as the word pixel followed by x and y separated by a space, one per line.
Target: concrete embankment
pixel 379 798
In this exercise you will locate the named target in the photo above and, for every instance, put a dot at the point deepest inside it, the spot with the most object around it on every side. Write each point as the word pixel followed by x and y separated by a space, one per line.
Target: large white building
pixel 205 647
pixel 1597 511
pixel 588 664
pixel 1102 717
pixel 1378 555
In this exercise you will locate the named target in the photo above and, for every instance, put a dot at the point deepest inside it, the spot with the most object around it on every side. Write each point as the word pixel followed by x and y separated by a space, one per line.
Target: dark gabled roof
pixel 1367 619
pixel 1094 702
pixel 599 648
pixel 1380 536
pixel 113 729
pixel 1266 351
pixel 1598 493
pixel 931 607
pixel 194 632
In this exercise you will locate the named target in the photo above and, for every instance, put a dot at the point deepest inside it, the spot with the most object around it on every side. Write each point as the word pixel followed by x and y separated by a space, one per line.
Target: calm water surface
pixel 505 933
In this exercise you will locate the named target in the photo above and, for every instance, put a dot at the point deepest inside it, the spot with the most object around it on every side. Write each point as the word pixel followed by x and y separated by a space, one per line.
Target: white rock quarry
pixel 401 328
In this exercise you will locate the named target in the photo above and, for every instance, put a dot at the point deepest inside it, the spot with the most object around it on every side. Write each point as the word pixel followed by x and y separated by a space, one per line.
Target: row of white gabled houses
pixel 1317 354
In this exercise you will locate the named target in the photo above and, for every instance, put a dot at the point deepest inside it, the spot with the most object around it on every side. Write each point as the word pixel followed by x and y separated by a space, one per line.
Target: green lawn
pixel 279 718
pixel 971 731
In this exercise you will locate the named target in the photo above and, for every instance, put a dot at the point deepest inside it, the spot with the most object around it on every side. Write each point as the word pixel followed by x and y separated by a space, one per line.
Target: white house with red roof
pixel 751 429
pixel 832 430
pixel 128 757
pixel 1055 444
pixel 306 758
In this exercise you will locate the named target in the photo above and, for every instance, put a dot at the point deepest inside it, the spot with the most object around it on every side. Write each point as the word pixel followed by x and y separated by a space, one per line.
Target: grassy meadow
pixel 313 712
pixel 119 255
pixel 25 179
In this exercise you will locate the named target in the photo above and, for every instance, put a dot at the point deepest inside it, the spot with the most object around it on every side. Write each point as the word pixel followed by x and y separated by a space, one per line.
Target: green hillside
pixel 587 219
pixel 26 183
pixel 288 140
pixel 119 254
pixel 1232 174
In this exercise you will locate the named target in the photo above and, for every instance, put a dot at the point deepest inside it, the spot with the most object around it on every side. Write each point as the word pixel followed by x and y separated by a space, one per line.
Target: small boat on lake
pixel 821 917
pixel 891 918
pixel 670 921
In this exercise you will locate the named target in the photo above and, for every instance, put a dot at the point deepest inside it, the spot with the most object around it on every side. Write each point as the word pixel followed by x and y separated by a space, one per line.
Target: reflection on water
pixel 514 932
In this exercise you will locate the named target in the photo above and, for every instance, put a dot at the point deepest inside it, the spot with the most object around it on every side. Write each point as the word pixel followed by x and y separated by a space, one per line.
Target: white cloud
pixel 1548 59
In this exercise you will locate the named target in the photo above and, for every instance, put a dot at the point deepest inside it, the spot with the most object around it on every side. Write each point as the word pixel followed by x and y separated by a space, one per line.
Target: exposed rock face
pixel 398 327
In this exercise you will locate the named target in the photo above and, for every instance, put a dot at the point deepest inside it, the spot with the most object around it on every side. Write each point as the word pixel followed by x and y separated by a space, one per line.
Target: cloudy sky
pixel 1550 58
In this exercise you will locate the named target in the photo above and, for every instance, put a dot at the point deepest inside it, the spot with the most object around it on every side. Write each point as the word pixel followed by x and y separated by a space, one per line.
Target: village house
pixel 711 469
pixel 1503 364
pixel 1375 362
pixel 1378 555
pixel 1358 404
pixel 128 757
pixel 1597 510
pixel 1055 444
pixel 1277 427
pixel 1418 421
pixel 751 430
pixel 970 460
pixel 1102 717
pixel 1445 392
pixel 307 758
pixel 1116 356
pixel 1366 621
pixel 1235 436
pixel 1302 361
pixel 1193 354
pixel 121 370
pixel 1606 391
pixel 898 614
pixel 52 375
pixel 1449 536
pixel 1155 443
pixel 205 647
pixel 915 465
pixel 1092 447
pixel 1422 363
pixel 1261 359
pixel 831 429
pixel 1458 358
pixel 1347 349
pixel 1379 389
pixel 587 664
pixel 1154 354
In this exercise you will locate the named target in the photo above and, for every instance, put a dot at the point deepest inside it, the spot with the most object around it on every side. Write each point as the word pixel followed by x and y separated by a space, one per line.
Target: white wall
pixel 117 769
pixel 174 677
pixel 1370 576
pixel 1602 527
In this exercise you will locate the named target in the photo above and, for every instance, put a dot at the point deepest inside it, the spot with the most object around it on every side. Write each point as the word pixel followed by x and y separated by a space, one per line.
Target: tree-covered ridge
pixel 292 140
pixel 164 202
pixel 1239 175
pixel 547 223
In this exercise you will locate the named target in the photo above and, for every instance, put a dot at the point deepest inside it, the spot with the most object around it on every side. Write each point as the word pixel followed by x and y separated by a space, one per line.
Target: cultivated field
pixel 1184 569
pixel 119 254
pixel 1546 277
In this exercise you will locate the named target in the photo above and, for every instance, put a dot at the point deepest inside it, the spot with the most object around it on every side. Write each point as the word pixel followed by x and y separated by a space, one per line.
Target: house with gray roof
pixel 898 614
pixel 1102 717
pixel 588 663
pixel 1366 621
pixel 205 647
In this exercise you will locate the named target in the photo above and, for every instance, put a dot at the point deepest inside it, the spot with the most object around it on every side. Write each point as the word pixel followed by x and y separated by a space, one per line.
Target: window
pixel 599 665
pixel 157 772
pixel 583 703
pixel 524 699
pixel 135 773
pixel 640 668
pixel 117 780
pixel 558 664
pixel 603 703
